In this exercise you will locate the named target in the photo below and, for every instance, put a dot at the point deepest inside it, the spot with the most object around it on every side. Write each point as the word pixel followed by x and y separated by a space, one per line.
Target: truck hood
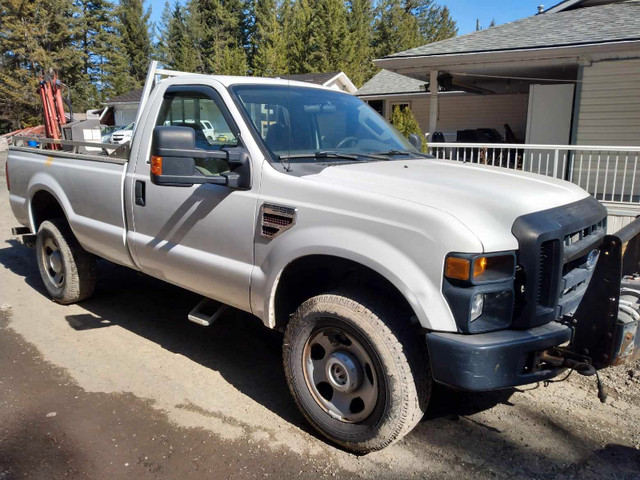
pixel 485 199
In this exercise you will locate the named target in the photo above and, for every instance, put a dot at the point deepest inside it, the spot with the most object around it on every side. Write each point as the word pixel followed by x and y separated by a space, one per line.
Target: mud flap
pixel 606 323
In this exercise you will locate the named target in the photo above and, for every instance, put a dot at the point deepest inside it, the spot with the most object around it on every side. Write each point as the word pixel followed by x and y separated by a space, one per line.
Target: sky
pixel 464 12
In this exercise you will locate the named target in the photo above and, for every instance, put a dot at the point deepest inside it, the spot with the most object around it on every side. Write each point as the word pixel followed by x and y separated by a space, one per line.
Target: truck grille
pixel 578 267
pixel 554 246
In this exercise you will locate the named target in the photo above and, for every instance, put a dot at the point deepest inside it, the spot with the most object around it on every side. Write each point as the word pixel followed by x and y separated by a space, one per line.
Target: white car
pixel 208 130
pixel 123 135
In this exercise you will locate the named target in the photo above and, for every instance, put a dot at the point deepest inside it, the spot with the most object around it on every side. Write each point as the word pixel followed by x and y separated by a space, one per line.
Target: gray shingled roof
pixel 129 97
pixel 317 78
pixel 385 82
pixel 598 24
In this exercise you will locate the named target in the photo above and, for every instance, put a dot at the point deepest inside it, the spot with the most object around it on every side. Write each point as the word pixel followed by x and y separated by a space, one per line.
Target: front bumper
pixel 489 361
pixel 603 331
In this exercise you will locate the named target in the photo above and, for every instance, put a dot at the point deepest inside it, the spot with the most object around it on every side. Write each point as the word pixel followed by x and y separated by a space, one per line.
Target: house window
pixel 377 105
pixel 402 106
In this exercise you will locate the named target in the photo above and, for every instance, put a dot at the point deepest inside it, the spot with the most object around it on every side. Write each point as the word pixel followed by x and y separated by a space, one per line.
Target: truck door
pixel 198 237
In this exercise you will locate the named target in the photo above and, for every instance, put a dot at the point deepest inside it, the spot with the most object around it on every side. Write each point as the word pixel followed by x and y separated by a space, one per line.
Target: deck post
pixel 433 106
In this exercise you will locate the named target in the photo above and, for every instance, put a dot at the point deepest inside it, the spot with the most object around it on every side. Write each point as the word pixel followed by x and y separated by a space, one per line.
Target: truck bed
pixel 89 187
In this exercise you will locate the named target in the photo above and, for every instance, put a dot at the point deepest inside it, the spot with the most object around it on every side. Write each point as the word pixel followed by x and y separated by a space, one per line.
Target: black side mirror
pixel 416 141
pixel 173 160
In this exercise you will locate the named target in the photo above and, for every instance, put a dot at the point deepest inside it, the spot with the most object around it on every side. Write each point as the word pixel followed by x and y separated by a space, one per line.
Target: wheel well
pixel 313 275
pixel 44 206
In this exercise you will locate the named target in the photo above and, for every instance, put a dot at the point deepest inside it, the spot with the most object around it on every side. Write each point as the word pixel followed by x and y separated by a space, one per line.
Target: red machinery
pixel 50 90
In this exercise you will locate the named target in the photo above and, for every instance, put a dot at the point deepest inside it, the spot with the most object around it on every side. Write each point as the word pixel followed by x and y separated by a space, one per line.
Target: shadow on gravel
pixel 17 258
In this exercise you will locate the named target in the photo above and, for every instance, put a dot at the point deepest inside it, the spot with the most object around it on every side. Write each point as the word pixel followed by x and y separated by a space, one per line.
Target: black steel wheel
pixel 356 370
pixel 67 270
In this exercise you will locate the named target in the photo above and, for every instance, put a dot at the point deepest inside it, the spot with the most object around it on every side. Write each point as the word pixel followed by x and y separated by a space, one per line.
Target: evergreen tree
pixel 405 122
pixel 298 34
pixel 329 36
pixel 35 36
pixel 395 28
pixel 360 67
pixel 176 48
pixel 404 24
pixel 106 71
pixel 269 46
pixel 221 36
pixel 134 29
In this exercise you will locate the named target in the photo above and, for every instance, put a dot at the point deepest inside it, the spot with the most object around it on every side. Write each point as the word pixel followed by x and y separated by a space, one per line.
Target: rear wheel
pixel 67 270
pixel 356 370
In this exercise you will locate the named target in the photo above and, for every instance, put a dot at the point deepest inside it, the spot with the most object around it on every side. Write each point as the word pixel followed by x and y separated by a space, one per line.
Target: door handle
pixel 140 193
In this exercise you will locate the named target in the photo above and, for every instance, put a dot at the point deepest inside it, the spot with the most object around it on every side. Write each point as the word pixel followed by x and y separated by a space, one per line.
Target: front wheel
pixel 67 270
pixel 356 370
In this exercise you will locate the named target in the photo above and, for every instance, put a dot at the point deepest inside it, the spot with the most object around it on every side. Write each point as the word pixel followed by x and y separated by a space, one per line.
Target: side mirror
pixel 416 141
pixel 173 160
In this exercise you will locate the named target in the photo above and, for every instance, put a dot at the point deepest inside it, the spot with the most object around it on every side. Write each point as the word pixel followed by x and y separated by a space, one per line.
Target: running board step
pixel 206 312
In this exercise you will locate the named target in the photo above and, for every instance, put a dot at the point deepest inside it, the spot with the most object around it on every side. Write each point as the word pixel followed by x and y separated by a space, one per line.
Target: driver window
pixel 212 132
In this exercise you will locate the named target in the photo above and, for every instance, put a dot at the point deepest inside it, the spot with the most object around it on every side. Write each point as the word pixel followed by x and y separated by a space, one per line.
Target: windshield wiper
pixel 330 154
pixel 402 152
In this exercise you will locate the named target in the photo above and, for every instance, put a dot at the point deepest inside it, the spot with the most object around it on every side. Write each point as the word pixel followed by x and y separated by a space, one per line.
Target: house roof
pixel 386 82
pixel 613 22
pixel 317 78
pixel 132 96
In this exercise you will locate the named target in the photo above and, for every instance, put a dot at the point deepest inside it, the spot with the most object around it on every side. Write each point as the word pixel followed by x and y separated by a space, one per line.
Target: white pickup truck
pixel 386 269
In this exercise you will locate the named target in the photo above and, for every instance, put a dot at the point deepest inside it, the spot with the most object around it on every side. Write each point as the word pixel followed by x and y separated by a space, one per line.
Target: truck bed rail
pixel 106 152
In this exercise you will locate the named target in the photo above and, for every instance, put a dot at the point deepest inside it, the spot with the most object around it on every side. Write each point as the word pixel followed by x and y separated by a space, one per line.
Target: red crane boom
pixel 50 91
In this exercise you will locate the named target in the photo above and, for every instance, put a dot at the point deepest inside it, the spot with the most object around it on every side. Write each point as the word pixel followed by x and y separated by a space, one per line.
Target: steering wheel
pixel 343 143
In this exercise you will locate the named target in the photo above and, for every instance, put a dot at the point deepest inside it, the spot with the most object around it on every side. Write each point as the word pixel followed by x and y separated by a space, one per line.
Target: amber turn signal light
pixel 457 268
pixel 156 165
pixel 479 266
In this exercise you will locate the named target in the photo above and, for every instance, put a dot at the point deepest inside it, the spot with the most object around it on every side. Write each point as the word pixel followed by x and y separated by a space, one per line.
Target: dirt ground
pixel 123 386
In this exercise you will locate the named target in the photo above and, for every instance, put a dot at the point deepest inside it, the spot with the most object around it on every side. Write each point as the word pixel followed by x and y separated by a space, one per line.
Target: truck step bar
pixel 206 312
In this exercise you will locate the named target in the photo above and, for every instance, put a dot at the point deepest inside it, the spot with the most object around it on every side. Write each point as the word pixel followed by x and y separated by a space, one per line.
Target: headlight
pixel 477 269
pixel 479 290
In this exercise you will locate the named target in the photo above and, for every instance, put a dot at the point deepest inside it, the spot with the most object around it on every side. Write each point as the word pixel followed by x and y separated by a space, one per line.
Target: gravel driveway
pixel 123 386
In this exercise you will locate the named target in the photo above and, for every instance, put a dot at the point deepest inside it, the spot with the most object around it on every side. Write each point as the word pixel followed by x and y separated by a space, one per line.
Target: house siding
pixel 465 111
pixel 609 104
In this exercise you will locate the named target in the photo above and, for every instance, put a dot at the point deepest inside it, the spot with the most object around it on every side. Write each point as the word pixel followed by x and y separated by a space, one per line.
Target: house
pixel 567 78
pixel 387 90
pixel 575 68
pixel 125 106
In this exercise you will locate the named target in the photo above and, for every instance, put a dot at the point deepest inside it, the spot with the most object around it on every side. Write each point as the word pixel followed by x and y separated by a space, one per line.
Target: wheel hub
pixel 340 374
pixel 344 372
pixel 55 262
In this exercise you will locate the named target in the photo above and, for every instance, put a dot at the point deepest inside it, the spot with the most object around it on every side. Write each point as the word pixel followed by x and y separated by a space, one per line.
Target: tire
pixel 67 270
pixel 352 329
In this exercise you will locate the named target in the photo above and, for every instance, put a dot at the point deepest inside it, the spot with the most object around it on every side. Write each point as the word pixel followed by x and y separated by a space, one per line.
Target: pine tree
pixel 403 24
pixel 298 34
pixel 36 36
pixel 360 67
pixel 405 122
pixel 268 42
pixel 105 69
pixel 330 36
pixel 221 36
pixel 134 29
pixel 395 28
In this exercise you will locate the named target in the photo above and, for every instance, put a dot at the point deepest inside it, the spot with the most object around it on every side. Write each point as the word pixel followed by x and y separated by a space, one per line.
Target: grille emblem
pixel 592 259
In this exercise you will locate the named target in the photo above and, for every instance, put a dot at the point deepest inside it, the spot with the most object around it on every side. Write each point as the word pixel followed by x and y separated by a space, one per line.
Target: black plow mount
pixel 605 324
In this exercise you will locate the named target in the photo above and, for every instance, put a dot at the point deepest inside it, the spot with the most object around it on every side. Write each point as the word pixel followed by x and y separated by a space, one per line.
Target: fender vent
pixel 276 219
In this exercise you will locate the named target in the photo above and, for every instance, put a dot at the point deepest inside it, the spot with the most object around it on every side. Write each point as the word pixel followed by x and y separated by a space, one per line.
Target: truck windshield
pixel 310 124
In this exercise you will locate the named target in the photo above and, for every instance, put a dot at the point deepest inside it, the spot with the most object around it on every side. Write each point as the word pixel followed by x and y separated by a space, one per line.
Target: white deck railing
pixel 609 173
